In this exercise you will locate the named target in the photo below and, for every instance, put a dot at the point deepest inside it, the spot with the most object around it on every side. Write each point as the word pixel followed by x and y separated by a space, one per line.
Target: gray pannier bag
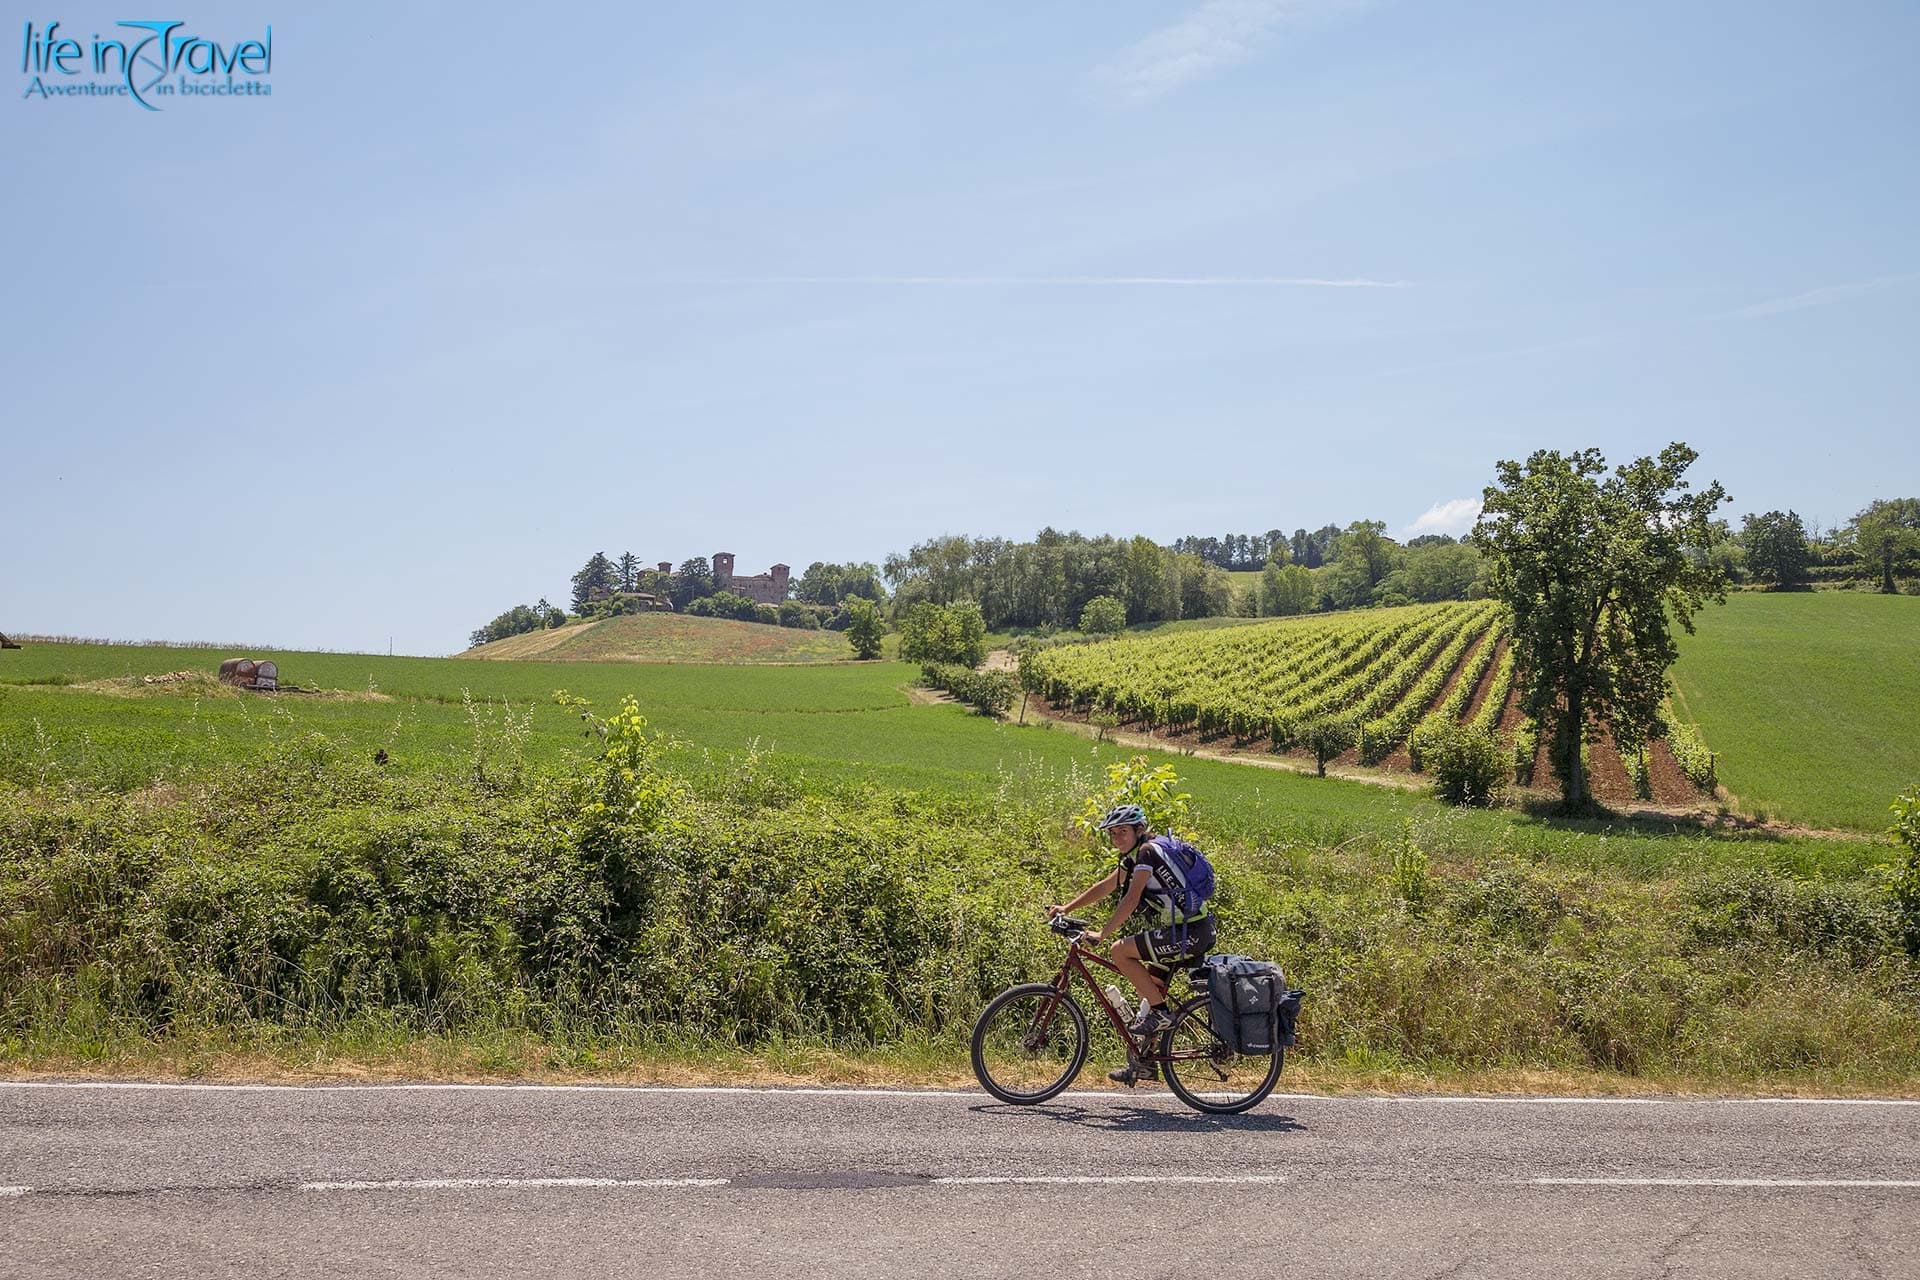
pixel 1249 1004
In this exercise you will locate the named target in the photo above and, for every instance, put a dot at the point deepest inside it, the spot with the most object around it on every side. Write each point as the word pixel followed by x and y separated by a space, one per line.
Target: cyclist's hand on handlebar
pixel 1090 938
pixel 1055 910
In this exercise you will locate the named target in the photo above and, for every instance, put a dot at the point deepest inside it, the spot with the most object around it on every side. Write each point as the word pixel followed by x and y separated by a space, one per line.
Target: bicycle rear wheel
pixel 1029 1043
pixel 1207 1075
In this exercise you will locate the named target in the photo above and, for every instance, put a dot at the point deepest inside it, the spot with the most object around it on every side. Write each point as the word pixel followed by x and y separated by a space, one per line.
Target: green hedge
pixel 309 890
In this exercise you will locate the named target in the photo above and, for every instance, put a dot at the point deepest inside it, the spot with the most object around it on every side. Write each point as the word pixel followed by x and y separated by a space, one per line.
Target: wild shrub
pixel 1903 874
pixel 988 692
pixel 1103 616
pixel 1469 765
pixel 1136 780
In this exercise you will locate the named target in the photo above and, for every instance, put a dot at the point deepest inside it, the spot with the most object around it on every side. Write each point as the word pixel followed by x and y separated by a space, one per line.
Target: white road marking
pixel 1098 1180
pixel 1722 1182
pixel 831 1092
pixel 1540 1098
pixel 9 1192
pixel 458 1184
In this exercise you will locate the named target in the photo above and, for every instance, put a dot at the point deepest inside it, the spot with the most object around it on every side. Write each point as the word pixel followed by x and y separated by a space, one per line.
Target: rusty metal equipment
pixel 7 644
pixel 248 674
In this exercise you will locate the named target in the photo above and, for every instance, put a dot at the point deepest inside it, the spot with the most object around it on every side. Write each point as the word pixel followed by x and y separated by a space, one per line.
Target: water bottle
pixel 1116 1000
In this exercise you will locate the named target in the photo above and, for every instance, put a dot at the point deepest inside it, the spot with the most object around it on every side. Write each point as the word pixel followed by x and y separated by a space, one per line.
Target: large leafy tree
pixel 1886 537
pixel 1776 547
pixel 596 578
pixel 1285 589
pixel 693 582
pixel 1596 570
pixel 864 627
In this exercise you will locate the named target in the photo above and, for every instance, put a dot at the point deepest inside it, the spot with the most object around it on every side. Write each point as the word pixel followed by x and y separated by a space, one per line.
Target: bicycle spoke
pixel 1029 1044
pixel 1209 1075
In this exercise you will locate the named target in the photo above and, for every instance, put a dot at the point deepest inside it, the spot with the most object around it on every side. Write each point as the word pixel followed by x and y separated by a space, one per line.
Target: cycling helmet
pixel 1127 815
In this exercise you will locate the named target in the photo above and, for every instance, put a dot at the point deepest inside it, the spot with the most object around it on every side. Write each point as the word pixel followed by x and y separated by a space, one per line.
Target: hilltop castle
pixel 770 587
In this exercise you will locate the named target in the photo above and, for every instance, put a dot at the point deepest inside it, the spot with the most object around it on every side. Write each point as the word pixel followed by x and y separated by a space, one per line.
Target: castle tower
pixel 781 573
pixel 666 566
pixel 722 569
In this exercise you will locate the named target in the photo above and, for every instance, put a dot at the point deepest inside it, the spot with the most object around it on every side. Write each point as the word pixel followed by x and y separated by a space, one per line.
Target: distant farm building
pixel 248 674
pixel 771 587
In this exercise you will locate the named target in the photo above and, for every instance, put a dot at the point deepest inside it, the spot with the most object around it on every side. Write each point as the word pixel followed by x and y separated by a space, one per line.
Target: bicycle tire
pixel 993 1018
pixel 1194 1017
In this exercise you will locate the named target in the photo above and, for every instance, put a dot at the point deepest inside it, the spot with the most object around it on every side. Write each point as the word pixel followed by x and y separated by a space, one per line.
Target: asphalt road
pixel 489 1181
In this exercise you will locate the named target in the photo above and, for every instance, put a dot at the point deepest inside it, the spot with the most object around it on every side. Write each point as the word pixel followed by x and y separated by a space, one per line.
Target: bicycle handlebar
pixel 1067 926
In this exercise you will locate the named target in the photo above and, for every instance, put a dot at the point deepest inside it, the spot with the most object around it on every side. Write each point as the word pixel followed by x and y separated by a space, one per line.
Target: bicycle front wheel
pixel 1029 1044
pixel 1207 1075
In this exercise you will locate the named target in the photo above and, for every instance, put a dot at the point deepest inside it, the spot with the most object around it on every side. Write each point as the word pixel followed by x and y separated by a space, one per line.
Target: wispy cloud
pixel 1302 282
pixel 1823 297
pixel 1213 37
pixel 1453 517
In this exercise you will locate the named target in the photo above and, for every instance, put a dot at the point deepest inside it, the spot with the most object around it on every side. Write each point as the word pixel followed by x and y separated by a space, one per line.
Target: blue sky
pixel 474 294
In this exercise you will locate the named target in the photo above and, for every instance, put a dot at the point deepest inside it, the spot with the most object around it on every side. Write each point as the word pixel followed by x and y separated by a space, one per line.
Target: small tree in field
pixel 1886 537
pixel 944 633
pixel 1103 616
pixel 1596 572
pixel 864 628
pixel 1776 546
pixel 1327 737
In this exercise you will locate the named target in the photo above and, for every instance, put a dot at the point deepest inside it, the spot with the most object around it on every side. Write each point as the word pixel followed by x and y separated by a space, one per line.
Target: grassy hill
pixel 1809 698
pixel 670 637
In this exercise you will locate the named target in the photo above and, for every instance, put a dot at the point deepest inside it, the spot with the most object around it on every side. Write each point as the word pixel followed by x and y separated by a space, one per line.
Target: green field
pixel 1810 700
pixel 840 725
pixel 209 880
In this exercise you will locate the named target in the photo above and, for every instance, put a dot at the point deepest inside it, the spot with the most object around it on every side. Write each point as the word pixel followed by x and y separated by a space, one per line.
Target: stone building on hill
pixel 771 587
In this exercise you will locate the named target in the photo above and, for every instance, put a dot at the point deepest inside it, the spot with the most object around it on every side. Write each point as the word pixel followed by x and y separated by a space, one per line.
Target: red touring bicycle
pixel 1031 1041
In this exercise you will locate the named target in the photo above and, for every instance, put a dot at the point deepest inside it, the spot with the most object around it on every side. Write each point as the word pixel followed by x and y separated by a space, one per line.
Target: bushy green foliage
pixel 1103 616
pixel 1597 573
pixel 1047 582
pixel 304 887
pixel 1285 589
pixel 954 633
pixel 1690 753
pixel 835 584
pixel 1154 787
pixel 865 628
pixel 1903 875
pixel 1886 538
pixel 727 604
pixel 989 692
pixel 1469 766
pixel 1776 547
pixel 1326 737
pixel 792 613
pixel 518 620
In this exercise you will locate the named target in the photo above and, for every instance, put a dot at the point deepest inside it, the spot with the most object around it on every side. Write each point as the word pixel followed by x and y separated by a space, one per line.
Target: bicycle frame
pixel 1076 963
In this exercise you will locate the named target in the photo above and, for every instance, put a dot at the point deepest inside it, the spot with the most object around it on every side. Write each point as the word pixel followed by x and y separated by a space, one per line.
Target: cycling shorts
pixel 1173 945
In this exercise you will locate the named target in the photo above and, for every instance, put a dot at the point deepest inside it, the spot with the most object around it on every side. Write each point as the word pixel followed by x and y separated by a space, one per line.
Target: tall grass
pixel 624 898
